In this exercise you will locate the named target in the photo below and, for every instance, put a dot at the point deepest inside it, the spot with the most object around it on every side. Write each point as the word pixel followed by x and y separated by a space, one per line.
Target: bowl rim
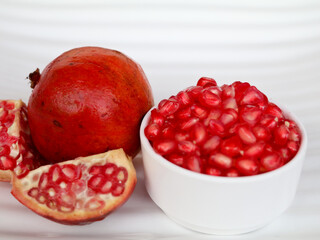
pixel 204 177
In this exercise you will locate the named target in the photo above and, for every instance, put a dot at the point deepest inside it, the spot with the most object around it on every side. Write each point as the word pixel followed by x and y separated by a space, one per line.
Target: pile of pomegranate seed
pixel 16 149
pixel 232 130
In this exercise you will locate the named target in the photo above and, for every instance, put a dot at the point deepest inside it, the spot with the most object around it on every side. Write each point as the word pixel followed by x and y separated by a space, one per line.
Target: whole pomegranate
pixel 88 100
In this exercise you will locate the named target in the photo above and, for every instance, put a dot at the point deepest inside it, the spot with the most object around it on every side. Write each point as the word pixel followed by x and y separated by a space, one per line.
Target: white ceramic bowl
pixel 220 205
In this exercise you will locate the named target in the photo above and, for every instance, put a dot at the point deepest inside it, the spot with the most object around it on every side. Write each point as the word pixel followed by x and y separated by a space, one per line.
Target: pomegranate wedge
pixel 16 149
pixel 78 191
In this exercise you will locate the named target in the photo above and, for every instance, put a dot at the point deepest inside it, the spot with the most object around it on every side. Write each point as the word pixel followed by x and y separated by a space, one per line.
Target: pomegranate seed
pixel 247 166
pixel 271 161
pixel 199 133
pixel 7 163
pixel 205 80
pixel 165 146
pixel 281 135
pixel 293 147
pixel 228 117
pixel 228 91
pixel 194 163
pixel 168 132
pixel 274 110
pixel 240 89
pixel 187 124
pixel 156 118
pixel 184 113
pixel 169 107
pixel 152 131
pixel 198 111
pixel 285 154
pixel 209 99
pixel 261 133
pixel 294 134
pixel 211 144
pixel 253 96
pixel 232 173
pixel 71 172
pixel 194 91
pixel 214 114
pixel 250 114
pixel 182 136
pixel 216 127
pixel 213 171
pixel 215 90
pixel 220 160
pixel 4 150
pixel 246 135
pixel 186 147
pixel 230 103
pixel 176 159
pixel 231 146
pixel 183 98
pixel 269 121
pixel 254 150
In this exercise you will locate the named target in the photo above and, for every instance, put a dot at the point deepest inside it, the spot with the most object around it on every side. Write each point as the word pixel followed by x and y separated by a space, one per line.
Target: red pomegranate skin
pixel 88 100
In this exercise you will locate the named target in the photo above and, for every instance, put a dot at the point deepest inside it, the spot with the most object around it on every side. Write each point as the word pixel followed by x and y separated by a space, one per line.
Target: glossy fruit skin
pixel 88 100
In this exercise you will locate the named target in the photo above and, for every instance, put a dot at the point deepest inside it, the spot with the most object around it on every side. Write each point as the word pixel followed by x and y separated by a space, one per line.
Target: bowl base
pixel 215 231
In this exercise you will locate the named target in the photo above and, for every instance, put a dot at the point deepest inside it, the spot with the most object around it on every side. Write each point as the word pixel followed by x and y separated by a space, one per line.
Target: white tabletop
pixel 274 45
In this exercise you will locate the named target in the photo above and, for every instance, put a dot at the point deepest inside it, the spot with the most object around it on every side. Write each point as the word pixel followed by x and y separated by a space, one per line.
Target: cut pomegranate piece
pixel 79 191
pixel 17 153
pixel 223 131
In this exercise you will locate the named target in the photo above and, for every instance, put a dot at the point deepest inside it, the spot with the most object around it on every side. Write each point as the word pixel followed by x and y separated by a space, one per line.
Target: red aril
pixel 250 114
pixel 220 160
pixel 209 99
pixel 247 166
pixel 211 145
pixel 206 80
pixel 152 131
pixel 231 146
pixel 213 171
pixel 246 135
pixel 164 146
pixel 199 133
pixel 194 163
pixel 271 161
pixel 281 135
pixel 186 147
pixel 232 131
pixel 199 111
pixel 17 153
pixel 79 191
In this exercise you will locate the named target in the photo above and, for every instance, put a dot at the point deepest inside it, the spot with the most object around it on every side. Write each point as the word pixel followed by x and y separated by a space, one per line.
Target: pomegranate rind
pixel 80 216
pixel 18 126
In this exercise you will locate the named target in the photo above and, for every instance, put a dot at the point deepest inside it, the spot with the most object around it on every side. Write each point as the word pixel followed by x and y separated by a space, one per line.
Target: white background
pixel 274 45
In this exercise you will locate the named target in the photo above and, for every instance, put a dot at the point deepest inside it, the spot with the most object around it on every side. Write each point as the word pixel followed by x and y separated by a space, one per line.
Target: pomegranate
pixel 87 101
pixel 232 130
pixel 79 191
pixel 17 153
